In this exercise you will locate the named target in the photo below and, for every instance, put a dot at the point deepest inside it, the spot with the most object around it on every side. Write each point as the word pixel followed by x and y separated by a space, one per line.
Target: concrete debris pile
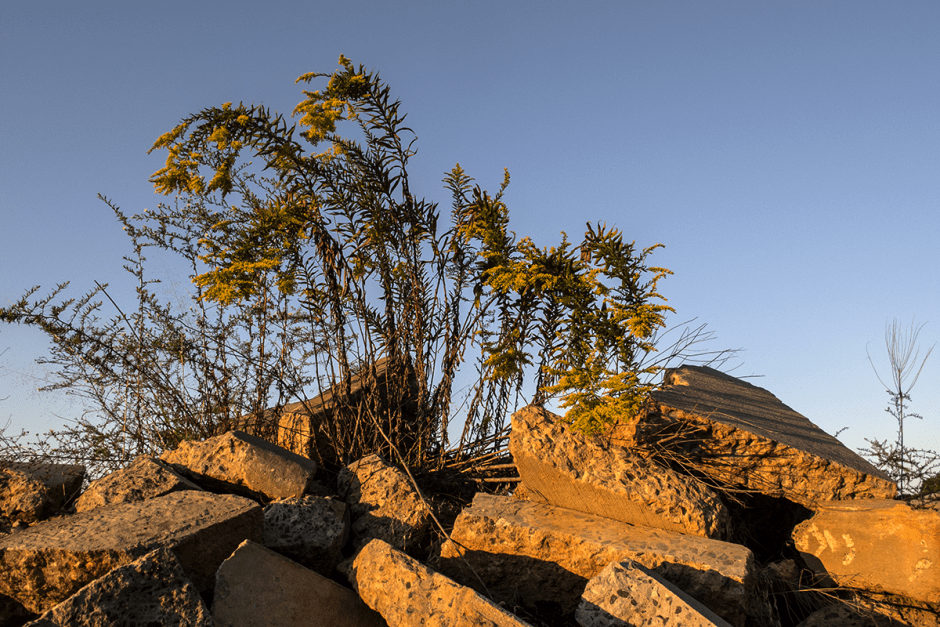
pixel 718 505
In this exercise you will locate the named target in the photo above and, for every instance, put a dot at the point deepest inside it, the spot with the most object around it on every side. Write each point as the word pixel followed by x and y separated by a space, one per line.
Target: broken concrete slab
pixel 541 557
pixel 597 476
pixel 146 477
pixel 151 590
pixel 34 491
pixel 243 464
pixel 311 530
pixel 626 594
pixel 303 427
pixel 879 545
pixel 744 436
pixel 42 566
pixel 406 592
pixel 256 587
pixel 383 504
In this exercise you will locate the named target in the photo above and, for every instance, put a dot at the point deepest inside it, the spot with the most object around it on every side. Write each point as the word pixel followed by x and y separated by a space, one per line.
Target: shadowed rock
pixel 257 587
pixel 311 530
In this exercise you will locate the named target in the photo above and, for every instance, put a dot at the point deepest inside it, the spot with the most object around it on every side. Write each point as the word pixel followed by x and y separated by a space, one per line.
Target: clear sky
pixel 787 154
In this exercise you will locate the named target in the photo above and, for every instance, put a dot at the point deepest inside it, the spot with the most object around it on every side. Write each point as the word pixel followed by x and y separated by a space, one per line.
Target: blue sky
pixel 787 154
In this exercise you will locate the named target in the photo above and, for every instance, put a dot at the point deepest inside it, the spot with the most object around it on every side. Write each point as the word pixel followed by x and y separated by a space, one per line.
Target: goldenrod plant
pixel 311 258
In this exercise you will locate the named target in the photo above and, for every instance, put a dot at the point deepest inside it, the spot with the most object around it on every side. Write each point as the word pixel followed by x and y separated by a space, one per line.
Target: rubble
pixel 42 566
pixel 541 557
pixel 876 545
pixel 151 590
pixel 612 530
pixel 626 594
pixel 406 592
pixel 311 530
pixel 244 464
pixel 145 478
pixel 256 587
pixel 743 436
pixel 594 475
pixel 30 492
pixel 383 504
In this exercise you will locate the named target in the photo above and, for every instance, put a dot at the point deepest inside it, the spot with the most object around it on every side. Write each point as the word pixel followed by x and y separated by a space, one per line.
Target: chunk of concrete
pixel 311 530
pixel 743 436
pixel 151 590
pixel 145 478
pixel 406 592
pixel 878 545
pixel 383 504
pixel 244 464
pixel 625 594
pixel 597 476
pixel 34 491
pixel 304 427
pixel 541 557
pixel 256 587
pixel 42 566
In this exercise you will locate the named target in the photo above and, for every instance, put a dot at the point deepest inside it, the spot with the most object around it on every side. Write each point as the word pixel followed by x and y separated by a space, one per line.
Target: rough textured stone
pixel 244 464
pixel 45 564
pixel 541 557
pixel 383 504
pixel 594 475
pixel 742 435
pixel 877 545
pixel 151 590
pixel 30 492
pixel 303 426
pixel 838 615
pixel 625 594
pixel 311 530
pixel 256 587
pixel 145 478
pixel 406 592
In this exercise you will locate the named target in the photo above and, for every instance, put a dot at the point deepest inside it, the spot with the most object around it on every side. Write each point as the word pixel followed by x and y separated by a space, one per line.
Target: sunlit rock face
pixel 745 437
pixel 876 544
pixel 45 564
pixel 598 476
pixel 541 557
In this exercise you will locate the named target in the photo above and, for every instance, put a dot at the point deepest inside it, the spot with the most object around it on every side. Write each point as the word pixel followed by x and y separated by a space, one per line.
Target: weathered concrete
pixel 151 590
pixel 594 475
pixel 383 504
pixel 743 436
pixel 257 587
pixel 878 545
pixel 143 479
pixel 45 564
pixel 244 464
pixel 30 492
pixel 541 557
pixel 625 594
pixel 311 530
pixel 302 427
pixel 406 592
